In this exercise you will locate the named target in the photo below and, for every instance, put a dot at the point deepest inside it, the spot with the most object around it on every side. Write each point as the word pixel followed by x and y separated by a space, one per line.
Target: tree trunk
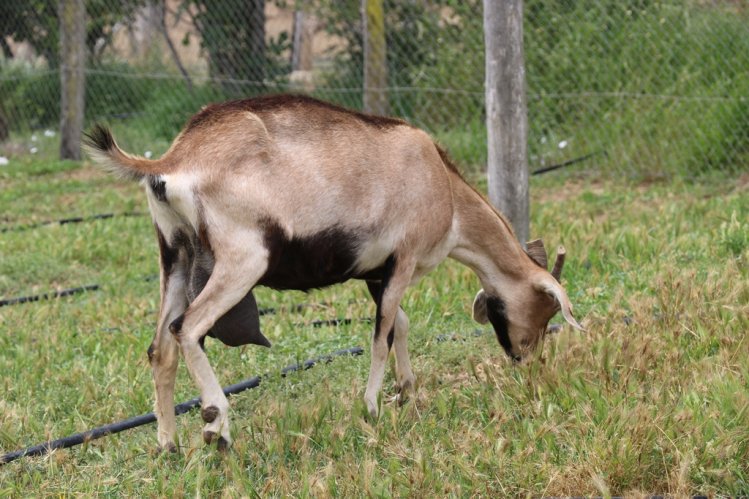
pixel 72 15
pixel 375 57
pixel 161 15
pixel 506 116
pixel 302 49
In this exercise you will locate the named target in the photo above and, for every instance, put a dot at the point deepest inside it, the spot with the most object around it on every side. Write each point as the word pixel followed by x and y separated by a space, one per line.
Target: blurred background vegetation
pixel 652 88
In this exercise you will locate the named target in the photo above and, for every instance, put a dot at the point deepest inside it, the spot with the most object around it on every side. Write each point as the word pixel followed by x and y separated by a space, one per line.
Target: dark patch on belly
pixel 305 263
pixel 158 187
pixel 495 310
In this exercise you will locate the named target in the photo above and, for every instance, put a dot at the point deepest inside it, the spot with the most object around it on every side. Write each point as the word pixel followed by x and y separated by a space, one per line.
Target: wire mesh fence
pixel 649 87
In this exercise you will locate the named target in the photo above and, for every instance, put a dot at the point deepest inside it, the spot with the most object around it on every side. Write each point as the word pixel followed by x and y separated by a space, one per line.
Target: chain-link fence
pixel 644 86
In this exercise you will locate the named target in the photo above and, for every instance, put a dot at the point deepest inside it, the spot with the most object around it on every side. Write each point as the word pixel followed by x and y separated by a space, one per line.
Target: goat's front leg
pixel 232 278
pixel 396 278
pixel 404 375
pixel 403 372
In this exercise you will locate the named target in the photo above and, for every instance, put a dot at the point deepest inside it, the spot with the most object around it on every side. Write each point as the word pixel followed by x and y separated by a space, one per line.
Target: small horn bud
pixel 537 252
pixel 559 263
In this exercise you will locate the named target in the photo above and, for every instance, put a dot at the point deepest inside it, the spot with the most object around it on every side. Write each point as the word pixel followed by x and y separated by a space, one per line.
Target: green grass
pixel 653 398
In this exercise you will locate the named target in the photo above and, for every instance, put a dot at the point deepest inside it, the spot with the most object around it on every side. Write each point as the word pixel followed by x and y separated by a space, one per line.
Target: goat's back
pixel 311 166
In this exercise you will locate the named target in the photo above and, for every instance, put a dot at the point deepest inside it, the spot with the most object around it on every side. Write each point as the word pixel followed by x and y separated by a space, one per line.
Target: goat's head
pixel 520 315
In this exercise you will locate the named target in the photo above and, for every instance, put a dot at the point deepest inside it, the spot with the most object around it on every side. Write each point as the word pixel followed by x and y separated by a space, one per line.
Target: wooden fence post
pixel 72 15
pixel 375 57
pixel 506 114
pixel 302 50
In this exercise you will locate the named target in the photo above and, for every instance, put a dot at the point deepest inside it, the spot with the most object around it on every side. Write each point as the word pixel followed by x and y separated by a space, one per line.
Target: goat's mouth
pixel 515 357
pixel 526 348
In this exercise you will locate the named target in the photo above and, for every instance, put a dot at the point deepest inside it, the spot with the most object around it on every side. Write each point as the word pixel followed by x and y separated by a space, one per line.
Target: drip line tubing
pixel 111 429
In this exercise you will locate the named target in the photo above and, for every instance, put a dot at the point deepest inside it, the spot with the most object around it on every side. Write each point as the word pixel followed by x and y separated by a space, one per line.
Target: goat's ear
pixel 537 252
pixel 555 290
pixel 480 314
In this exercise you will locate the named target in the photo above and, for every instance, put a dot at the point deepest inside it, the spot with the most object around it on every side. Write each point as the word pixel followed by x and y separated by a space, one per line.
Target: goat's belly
pixel 326 258
pixel 305 272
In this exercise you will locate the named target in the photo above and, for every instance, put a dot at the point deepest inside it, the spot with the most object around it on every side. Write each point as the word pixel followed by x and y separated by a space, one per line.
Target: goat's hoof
pixel 170 447
pixel 209 414
pixel 405 386
pixel 208 437
pixel 399 398
pixel 372 409
pixel 223 444
pixel 404 391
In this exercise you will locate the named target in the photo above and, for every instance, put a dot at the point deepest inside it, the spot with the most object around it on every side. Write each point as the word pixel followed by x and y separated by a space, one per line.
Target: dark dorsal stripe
pixel 274 103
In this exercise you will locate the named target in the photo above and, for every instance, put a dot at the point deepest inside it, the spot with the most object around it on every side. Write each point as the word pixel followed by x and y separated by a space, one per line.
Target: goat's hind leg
pixel 163 354
pixel 231 279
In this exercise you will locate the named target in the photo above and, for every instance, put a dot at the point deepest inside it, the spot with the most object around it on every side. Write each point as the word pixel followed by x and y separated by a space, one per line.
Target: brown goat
pixel 293 193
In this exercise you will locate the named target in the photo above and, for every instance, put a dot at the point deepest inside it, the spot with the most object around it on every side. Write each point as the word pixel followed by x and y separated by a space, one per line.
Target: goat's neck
pixel 485 241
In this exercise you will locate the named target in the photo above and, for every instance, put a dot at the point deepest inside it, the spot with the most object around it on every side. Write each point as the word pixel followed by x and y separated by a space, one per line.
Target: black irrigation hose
pixel 111 429
pixel 71 220
pixel 566 163
pixel 95 287
pixel 345 321
pixel 440 338
pixel 261 312
pixel 48 296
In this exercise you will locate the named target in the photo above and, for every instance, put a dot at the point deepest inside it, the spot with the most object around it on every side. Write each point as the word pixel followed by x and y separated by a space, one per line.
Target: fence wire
pixel 660 87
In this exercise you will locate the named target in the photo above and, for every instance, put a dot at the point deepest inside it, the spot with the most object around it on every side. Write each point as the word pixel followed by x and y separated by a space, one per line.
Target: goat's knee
pixel 175 327
pixel 151 352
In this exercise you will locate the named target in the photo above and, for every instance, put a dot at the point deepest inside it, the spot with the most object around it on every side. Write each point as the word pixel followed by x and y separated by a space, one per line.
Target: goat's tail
pixel 101 147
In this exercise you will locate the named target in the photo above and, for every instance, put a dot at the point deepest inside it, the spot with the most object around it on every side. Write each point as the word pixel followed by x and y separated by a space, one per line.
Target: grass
pixel 653 398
